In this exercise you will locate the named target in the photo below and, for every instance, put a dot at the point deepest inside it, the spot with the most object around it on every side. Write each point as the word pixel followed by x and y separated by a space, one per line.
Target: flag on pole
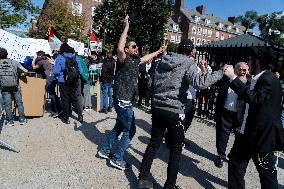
pixel 93 37
pixel 53 40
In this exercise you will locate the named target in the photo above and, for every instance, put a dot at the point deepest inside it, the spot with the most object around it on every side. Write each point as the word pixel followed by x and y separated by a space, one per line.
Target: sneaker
pixel 56 115
pixel 219 162
pixel 169 186
pixel 143 183
pixel 122 165
pixel 109 109
pixel 80 118
pixel 103 111
pixel 10 123
pixel 103 154
pixel 23 122
pixel 66 120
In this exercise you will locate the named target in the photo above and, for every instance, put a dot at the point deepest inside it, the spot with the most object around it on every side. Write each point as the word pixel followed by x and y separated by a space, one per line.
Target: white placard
pixel 96 46
pixel 18 48
pixel 78 46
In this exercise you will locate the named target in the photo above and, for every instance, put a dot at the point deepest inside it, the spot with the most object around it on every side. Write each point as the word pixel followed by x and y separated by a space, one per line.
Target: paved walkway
pixel 55 155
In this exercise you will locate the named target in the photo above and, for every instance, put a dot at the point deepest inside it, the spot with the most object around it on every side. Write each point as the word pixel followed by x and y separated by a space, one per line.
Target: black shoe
pixel 103 111
pixel 169 186
pixel 66 120
pixel 219 162
pixel 109 109
pixel 143 183
pixel 80 118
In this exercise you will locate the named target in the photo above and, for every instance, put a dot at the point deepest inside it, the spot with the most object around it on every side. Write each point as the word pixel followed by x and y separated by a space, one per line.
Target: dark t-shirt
pixel 46 66
pixel 125 82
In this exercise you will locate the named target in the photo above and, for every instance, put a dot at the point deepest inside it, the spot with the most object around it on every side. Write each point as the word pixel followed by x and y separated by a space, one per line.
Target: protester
pixel 67 69
pixel 260 133
pixel 44 62
pixel 10 88
pixel 143 79
pixel 172 77
pixel 229 111
pixel 125 86
pixel 106 78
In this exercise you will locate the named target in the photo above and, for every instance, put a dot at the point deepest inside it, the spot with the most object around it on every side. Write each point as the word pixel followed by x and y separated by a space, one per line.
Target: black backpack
pixel 71 72
pixel 8 74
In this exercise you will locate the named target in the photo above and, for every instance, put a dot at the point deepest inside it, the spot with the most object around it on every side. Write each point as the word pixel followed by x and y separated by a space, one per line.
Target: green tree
pixel 57 14
pixel 271 26
pixel 249 20
pixel 14 12
pixel 147 21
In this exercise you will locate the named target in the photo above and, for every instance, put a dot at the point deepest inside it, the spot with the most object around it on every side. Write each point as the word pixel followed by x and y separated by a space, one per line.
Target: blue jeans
pixel 125 124
pixel 1 104
pixel 107 95
pixel 282 117
pixel 7 98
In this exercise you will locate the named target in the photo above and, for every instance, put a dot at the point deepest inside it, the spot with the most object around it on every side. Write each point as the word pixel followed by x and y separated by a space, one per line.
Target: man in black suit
pixel 229 111
pixel 261 129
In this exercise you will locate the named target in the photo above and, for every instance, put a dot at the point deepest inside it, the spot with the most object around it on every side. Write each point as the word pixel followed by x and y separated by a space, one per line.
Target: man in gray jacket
pixel 172 77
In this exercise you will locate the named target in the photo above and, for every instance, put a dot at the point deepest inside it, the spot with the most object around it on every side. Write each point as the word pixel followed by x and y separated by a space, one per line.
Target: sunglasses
pixel 134 46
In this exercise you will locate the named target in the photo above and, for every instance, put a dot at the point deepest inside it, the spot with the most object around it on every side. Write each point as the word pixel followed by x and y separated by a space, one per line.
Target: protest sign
pixel 78 46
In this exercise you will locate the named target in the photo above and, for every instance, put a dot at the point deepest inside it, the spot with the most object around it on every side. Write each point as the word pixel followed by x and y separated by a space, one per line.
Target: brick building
pixel 198 26
pixel 80 7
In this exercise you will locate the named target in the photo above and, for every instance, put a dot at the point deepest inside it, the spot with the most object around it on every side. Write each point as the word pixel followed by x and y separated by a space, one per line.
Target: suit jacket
pixel 263 131
pixel 224 85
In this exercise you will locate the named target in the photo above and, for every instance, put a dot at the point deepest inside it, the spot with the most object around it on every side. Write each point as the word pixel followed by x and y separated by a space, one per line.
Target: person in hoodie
pixel 172 77
pixel 69 94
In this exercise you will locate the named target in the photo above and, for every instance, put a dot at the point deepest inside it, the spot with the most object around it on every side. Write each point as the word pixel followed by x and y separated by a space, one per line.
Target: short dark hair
pixel 266 56
pixel 185 47
pixel 65 48
pixel 40 53
pixel 3 53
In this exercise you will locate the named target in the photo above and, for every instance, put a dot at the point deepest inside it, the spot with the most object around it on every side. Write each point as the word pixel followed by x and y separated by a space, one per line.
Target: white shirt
pixel 148 66
pixel 252 84
pixel 231 101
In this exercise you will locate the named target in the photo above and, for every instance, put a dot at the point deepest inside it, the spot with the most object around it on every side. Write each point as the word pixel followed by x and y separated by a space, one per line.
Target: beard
pixel 243 79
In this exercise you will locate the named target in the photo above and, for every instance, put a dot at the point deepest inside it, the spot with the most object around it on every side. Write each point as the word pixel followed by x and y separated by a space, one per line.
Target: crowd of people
pixel 248 103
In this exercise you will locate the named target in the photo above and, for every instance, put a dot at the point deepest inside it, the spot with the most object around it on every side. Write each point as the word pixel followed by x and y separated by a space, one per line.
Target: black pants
pixel 144 92
pixel 71 96
pixel 189 115
pixel 238 161
pixel 175 124
pixel 55 102
pixel 224 126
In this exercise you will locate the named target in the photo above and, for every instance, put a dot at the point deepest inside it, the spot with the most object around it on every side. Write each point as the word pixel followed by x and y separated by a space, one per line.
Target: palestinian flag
pixel 53 40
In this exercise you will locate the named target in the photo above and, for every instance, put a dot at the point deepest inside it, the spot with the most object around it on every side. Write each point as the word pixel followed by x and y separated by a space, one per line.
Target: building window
pixel 207 21
pixel 93 11
pixel 209 33
pixel 204 31
pixel 179 19
pixel 77 9
pixel 175 27
pixel 217 35
pixel 193 40
pixel 222 36
pixel 178 39
pixel 196 18
pixel 173 38
pixel 199 31
pixel 198 41
pixel 193 30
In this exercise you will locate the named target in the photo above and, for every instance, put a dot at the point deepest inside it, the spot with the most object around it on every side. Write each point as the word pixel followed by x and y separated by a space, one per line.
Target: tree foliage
pixel 14 12
pixel 249 20
pixel 147 21
pixel 272 26
pixel 58 15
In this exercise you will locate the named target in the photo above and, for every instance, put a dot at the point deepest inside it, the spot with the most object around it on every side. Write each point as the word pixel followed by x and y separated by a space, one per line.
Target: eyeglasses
pixel 242 70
